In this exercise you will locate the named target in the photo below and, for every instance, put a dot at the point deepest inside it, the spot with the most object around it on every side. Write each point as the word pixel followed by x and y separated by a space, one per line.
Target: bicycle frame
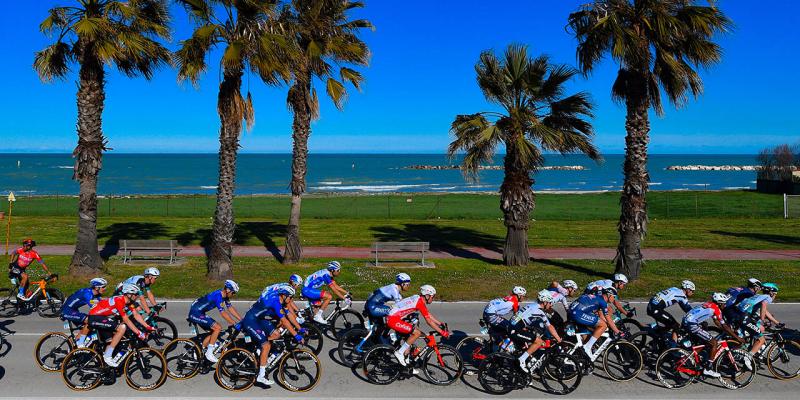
pixel 723 346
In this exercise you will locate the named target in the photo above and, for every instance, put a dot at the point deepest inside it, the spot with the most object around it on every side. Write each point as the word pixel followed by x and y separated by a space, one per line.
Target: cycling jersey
pixel 668 297
pixel 738 294
pixel 402 309
pixel 753 303
pixel 532 315
pixel 209 301
pixel 601 284
pixel 267 307
pixel 112 306
pixel 69 311
pixel 318 279
pixel 559 295
pixel 25 258
pixel 701 313
pixel 497 308
pixel 273 289
pixel 376 302
pixel 136 280
pixel 583 309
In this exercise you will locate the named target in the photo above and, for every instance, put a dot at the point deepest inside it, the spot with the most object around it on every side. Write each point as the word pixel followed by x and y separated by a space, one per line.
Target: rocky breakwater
pixel 495 167
pixel 713 168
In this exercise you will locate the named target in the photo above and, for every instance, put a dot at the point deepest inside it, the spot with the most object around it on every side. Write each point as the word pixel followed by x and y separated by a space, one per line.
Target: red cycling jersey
pixel 402 309
pixel 25 258
pixel 111 306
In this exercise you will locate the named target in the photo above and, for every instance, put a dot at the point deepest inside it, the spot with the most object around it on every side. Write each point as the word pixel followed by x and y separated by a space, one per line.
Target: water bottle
pixel 484 330
pixel 193 330
pixel 570 330
pixel 119 357
pixel 13 281
pixel 504 345
pixel 393 335
pixel 271 360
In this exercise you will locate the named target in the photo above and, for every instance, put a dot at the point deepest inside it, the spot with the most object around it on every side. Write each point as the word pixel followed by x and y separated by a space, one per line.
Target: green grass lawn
pixel 457 279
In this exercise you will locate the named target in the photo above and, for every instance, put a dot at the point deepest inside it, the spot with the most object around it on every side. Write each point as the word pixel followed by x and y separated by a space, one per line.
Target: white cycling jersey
pixel 532 314
pixel 671 296
pixel 501 306
pixel 391 292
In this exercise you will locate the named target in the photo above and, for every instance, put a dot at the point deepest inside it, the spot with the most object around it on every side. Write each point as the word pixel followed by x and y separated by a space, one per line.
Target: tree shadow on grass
pixel 764 237
pixel 263 231
pixel 449 239
pixel 572 267
pixel 128 230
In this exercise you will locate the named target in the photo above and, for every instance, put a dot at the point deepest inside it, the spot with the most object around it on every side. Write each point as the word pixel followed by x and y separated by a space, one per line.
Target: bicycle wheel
pixel 783 359
pixel 350 349
pixel 299 370
pixel 51 350
pixel 314 338
pixel 82 369
pixel 622 361
pixel 236 370
pixel 500 373
pixel 732 369
pixel 676 368
pixel 8 303
pixel 183 358
pixel 473 350
pixel 165 333
pixel 380 366
pixel 630 325
pixel 145 369
pixel 560 373
pixel 345 320
pixel 647 345
pixel 50 307
pixel 444 367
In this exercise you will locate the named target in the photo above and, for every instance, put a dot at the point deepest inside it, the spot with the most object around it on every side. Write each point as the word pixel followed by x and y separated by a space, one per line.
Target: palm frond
pixel 53 61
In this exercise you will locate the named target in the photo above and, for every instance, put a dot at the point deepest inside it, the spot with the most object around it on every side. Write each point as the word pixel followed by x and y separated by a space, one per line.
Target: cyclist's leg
pixel 752 325
pixel 314 297
pixel 79 319
pixel 403 327
pixel 23 282
pixel 591 321
pixel 326 299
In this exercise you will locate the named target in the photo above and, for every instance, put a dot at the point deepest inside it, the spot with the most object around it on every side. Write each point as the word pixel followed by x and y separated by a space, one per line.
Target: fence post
pixel 785 206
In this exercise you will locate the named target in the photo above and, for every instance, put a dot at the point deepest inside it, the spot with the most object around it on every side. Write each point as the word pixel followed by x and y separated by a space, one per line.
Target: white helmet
pixel 569 284
pixel 402 278
pixel 687 284
pixel 545 296
pixel 128 288
pixel 232 286
pixel 620 278
pixel 519 291
pixel 720 297
pixel 753 282
pixel 152 271
pixel 426 290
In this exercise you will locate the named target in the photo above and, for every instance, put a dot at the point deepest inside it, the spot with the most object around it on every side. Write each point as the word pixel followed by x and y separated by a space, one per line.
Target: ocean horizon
pixel 269 173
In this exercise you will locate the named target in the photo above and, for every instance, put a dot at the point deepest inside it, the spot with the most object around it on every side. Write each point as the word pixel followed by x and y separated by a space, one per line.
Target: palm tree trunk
pixel 88 156
pixel 633 218
pixel 516 202
pixel 300 100
pixel 230 109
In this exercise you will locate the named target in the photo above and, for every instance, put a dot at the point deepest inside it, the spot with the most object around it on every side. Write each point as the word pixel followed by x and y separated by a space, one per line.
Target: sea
pixel 161 174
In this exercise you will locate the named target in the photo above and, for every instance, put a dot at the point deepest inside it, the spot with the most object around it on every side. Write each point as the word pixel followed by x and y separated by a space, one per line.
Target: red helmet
pixel 29 242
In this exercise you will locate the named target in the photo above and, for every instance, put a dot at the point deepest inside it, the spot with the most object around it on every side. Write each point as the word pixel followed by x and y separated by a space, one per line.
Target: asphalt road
pixel 21 378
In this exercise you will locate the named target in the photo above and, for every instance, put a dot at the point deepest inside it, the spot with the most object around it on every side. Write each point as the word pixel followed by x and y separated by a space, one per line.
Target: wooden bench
pixel 149 246
pixel 420 248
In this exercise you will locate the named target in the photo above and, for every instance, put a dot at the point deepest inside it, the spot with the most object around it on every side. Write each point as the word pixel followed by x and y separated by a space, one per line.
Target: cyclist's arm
pixel 725 327
pixel 293 306
pixel 766 314
pixel 337 290
pixel 14 257
pixel 434 323
pixel 553 332
pixel 619 306
pixel 227 316
pixel 287 323
pixel 151 297
pixel 143 304
pixel 235 314
pixel 610 322
pixel 293 318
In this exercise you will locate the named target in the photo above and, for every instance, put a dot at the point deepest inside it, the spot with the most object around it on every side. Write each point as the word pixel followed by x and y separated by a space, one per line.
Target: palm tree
pixel 658 45
pixel 535 114
pixel 93 34
pixel 327 40
pixel 251 41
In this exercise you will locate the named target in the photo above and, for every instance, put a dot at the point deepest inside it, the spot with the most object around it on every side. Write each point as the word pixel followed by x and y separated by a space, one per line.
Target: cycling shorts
pixel 377 310
pixel 399 324
pixel 312 294
pixel 202 320
pixel 74 316
pixel 751 325
pixel 698 333
pixel 102 323
pixel 15 271
pixel 585 319
pixel 662 317
pixel 258 330
pixel 498 328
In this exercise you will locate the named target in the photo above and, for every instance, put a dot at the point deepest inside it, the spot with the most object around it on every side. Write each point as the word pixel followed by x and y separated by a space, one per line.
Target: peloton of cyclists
pixel 88 296
pixel 403 308
pixel 295 281
pixel 618 283
pixel 216 299
pixel 496 310
pixel 693 320
pixel 751 314
pixel 105 317
pixel 533 319
pixel 376 305
pixel 560 293
pixel 592 311
pixel 312 289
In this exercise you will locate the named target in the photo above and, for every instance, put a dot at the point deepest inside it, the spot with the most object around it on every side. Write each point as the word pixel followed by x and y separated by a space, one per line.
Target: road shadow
pixel 263 231
pixel 2 372
pixel 5 344
pixel 764 237
pixel 447 239
pixel 114 233
pixel 571 267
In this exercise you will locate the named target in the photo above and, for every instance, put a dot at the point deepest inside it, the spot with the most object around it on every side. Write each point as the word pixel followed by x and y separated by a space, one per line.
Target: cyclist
pixel 533 318
pixel 560 293
pixel 738 294
pixel 104 318
pixel 657 307
pixel 592 310
pixel 259 326
pixel 20 260
pixel 376 306
pixel 294 282
pixel 87 296
pixel 320 298
pixel 692 323
pixel 143 282
pixel 495 311
pixel 618 283
pixel 401 309
pixel 215 299
pixel 753 313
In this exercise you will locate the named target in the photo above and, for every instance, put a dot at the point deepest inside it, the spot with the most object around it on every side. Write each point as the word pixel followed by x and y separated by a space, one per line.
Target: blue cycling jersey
pixel 269 307
pixel 209 301
pixel 738 294
pixel 81 298
pixel 272 290
pixel 589 303
pixel 318 279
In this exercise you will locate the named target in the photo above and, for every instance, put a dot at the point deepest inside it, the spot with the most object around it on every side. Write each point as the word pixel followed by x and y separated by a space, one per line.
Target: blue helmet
pixel 295 279
pixel 232 286
pixel 768 287
pixel 402 278
pixel 334 266
pixel 98 282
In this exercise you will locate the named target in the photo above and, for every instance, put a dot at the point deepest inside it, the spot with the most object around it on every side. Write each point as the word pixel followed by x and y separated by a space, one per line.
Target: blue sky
pixel 421 75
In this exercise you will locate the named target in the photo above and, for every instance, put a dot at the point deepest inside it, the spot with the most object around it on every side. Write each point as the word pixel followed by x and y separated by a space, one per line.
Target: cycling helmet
pixel 402 278
pixel 753 282
pixel 609 290
pixel 29 242
pixel 427 290
pixel 152 271
pixel 334 266
pixel 295 279
pixel 232 286
pixel 687 284
pixel 98 282
pixel 569 284
pixel 720 297
pixel 620 278
pixel 545 296
pixel 769 287
pixel 128 288
pixel 519 291
pixel 286 290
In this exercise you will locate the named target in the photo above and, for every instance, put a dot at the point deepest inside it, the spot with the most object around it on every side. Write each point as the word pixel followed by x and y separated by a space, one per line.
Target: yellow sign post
pixel 11 200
